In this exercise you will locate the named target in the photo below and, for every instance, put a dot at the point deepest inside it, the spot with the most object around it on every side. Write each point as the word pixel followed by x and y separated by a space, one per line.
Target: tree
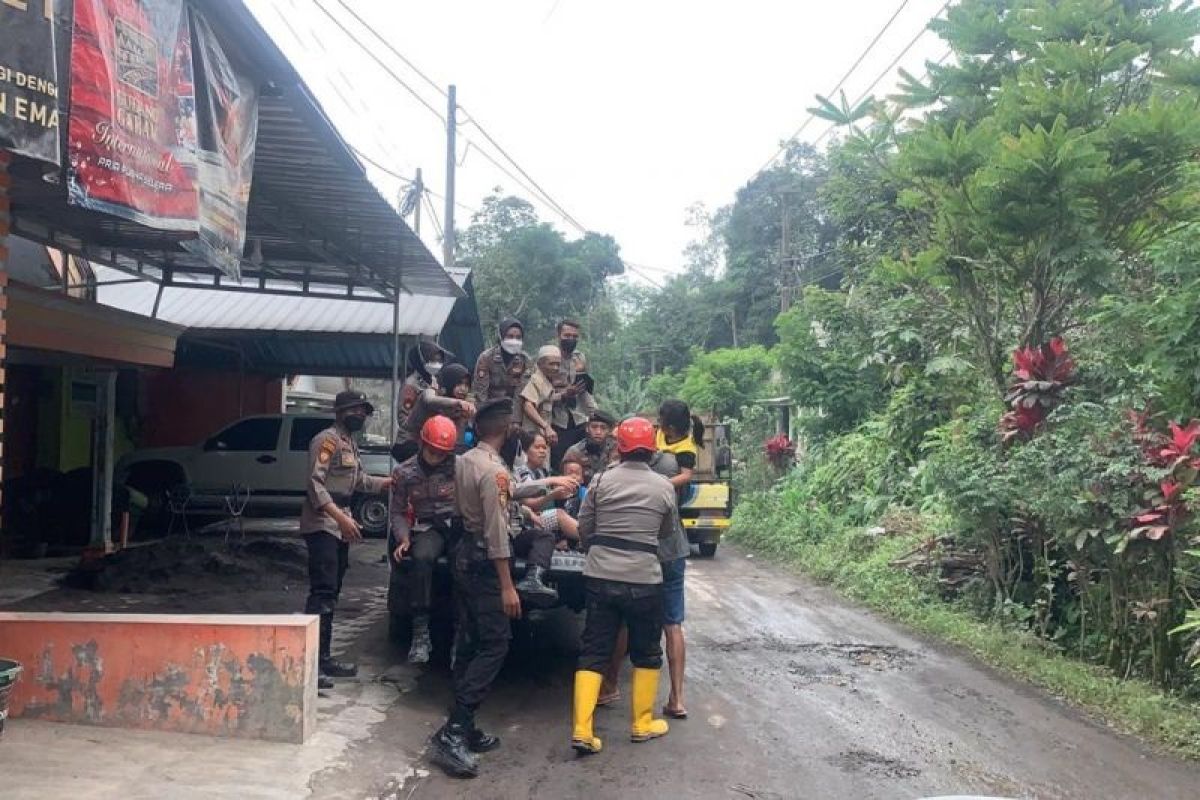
pixel 720 382
pixel 527 269
pixel 1049 155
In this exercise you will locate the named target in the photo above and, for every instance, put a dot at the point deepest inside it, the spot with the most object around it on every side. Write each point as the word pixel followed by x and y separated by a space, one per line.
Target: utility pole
pixel 785 253
pixel 451 160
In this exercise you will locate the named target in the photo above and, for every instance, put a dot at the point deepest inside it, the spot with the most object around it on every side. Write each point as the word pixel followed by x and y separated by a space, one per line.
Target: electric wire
pixel 537 190
pixel 783 147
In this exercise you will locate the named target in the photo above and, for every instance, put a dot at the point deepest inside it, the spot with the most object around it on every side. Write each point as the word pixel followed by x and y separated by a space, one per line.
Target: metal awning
pixel 321 227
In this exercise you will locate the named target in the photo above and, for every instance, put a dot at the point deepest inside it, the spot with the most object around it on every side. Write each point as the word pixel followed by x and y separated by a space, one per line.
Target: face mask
pixel 511 346
pixel 567 346
pixel 354 422
pixel 433 367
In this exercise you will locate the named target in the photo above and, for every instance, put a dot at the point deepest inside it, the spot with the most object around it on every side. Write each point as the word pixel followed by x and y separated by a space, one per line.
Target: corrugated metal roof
pixel 213 309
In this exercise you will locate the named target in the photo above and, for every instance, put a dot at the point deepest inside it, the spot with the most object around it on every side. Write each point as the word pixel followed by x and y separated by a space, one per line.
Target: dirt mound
pixel 194 565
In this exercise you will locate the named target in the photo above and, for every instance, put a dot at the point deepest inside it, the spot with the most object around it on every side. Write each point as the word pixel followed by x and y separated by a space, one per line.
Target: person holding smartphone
pixel 574 403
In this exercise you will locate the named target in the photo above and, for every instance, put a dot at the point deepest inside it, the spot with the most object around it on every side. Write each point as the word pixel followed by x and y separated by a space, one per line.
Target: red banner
pixel 132 128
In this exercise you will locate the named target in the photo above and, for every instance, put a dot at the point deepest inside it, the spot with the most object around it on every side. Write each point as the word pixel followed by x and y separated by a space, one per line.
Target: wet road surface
pixel 792 693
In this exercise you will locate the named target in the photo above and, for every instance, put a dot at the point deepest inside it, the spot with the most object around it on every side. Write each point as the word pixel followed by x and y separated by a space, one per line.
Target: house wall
pixel 185 406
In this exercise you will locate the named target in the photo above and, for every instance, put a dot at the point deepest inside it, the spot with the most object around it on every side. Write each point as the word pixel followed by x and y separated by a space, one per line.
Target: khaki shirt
pixel 494 378
pixel 539 391
pixel 567 414
pixel 335 474
pixel 628 501
pixel 430 493
pixel 483 492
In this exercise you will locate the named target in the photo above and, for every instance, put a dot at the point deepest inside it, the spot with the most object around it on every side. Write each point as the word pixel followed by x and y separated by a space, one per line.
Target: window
pixel 250 434
pixel 304 429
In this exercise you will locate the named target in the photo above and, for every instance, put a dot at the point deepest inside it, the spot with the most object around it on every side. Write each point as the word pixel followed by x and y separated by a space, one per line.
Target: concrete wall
pixel 185 406
pixel 240 675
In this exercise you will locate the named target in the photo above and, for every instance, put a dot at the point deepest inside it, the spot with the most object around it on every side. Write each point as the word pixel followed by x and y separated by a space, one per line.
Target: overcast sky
pixel 625 112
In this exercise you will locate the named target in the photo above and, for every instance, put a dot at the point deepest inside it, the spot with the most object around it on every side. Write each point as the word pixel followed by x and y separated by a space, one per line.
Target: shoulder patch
pixel 327 448
pixel 408 397
pixel 482 372
pixel 502 487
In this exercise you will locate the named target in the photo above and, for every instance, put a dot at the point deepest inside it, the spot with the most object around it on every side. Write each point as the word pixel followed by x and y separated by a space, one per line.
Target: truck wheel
pixel 371 513
pixel 708 549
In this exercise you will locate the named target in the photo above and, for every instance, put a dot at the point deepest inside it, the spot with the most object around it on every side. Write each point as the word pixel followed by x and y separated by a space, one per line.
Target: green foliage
pixel 722 381
pixel 527 269
pixel 1051 152
pixel 828 359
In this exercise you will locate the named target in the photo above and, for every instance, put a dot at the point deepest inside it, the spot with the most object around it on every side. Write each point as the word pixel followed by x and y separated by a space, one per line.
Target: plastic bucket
pixel 9 672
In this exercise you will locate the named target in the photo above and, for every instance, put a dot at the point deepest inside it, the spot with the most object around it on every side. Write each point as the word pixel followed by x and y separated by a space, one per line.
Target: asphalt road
pixel 793 693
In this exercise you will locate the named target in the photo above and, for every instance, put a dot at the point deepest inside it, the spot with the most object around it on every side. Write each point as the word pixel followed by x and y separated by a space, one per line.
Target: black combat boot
pixel 449 748
pixel 327 665
pixel 533 590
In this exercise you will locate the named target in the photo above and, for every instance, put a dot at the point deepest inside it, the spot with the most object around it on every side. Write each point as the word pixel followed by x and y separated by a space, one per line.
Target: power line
pixel 380 62
pixel 849 72
pixel 883 74
pixel 537 189
pixel 437 224
pixel 437 87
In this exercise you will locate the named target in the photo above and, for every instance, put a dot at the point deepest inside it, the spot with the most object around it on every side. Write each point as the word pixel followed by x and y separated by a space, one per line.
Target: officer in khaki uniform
pixel 335 474
pixel 502 371
pixel 573 403
pixel 487 595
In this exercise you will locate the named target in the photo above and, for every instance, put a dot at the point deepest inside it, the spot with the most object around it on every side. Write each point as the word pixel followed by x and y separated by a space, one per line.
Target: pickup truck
pixel 266 454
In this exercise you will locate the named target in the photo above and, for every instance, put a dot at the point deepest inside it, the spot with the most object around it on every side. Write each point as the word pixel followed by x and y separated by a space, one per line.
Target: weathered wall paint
pixel 249 676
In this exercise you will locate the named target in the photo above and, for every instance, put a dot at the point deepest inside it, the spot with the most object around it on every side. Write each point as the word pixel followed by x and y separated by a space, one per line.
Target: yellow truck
pixel 708 502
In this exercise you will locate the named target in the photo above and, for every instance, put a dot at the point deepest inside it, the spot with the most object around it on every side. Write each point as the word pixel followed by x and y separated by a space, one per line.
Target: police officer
pixel 426 481
pixel 573 385
pixel 629 511
pixel 598 448
pixel 444 400
pixel 487 595
pixel 425 362
pixel 502 371
pixel 335 474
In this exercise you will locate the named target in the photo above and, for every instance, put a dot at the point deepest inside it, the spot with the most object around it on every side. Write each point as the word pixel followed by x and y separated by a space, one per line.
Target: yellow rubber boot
pixel 587 692
pixel 645 692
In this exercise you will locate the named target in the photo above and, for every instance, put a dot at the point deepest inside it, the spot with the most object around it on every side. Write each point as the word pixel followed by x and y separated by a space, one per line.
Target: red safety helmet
pixel 635 433
pixel 440 433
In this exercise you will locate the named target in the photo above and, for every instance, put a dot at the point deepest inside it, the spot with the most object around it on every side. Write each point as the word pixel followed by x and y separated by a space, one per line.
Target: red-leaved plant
pixel 1041 375
pixel 1175 452
pixel 780 450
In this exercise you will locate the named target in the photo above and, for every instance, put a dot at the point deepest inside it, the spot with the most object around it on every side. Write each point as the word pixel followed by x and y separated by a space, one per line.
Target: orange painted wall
pixel 186 406
pixel 247 676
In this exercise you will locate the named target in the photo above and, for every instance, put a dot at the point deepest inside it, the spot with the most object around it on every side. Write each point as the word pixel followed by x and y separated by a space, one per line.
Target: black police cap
pixel 351 398
pixel 603 416
pixel 500 407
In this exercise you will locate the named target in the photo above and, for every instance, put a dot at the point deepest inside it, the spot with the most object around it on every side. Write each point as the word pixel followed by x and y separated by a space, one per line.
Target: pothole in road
pixel 873 764
pixel 873 656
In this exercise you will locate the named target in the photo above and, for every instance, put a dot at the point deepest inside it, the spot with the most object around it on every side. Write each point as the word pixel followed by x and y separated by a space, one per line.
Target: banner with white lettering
pixel 227 118
pixel 131 136
pixel 28 79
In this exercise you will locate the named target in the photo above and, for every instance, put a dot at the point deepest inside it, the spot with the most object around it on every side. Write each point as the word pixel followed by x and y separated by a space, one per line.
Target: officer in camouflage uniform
pixel 502 371
pixel 335 474
pixel 426 483
pixel 487 595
